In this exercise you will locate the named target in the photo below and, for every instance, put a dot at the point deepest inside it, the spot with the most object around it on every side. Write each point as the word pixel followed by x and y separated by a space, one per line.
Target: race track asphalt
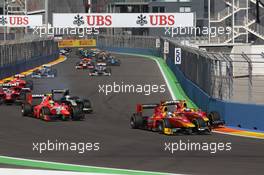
pixel 120 146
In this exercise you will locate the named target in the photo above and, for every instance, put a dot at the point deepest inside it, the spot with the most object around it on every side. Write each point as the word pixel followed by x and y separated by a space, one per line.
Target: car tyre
pixel 76 113
pixel 1 100
pixel 29 84
pixel 214 116
pixel 26 109
pixel 136 121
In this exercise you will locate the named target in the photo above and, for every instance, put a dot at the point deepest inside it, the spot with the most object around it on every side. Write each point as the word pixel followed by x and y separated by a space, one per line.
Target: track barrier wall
pixel 248 116
pixel 16 58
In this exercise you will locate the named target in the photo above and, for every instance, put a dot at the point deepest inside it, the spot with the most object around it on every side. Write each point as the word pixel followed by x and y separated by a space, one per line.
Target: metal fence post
pixel 221 80
pixel 250 81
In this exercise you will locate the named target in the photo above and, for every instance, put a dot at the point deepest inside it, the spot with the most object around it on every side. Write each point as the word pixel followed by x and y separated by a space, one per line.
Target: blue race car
pixel 45 71
pixel 108 58
pixel 112 61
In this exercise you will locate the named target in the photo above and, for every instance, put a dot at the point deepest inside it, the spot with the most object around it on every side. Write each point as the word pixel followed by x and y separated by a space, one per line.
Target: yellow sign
pixel 77 43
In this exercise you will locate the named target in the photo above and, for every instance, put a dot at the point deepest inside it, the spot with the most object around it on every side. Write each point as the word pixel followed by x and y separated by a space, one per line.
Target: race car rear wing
pixel 26 89
pixel 60 91
pixel 141 107
pixel 8 85
pixel 172 102
pixel 19 76
pixel 101 64
pixel 86 59
pixel 30 97
pixel 37 95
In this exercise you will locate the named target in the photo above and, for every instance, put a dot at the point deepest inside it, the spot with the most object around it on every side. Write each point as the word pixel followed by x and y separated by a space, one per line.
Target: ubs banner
pixel 123 20
pixel 20 20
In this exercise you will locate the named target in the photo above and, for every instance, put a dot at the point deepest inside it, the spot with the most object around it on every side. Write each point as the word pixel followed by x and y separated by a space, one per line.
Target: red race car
pixel 198 116
pixel 84 65
pixel 20 82
pixel 11 93
pixel 161 120
pixel 47 108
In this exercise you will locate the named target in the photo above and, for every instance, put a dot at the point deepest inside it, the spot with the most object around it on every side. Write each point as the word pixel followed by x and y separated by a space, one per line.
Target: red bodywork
pixel 56 109
pixel 10 95
pixel 160 113
pixel 86 59
pixel 18 82
pixel 85 63
pixel 190 113
pixel 11 92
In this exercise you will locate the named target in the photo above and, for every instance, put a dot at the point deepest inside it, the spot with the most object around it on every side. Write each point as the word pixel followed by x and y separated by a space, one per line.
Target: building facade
pixel 198 7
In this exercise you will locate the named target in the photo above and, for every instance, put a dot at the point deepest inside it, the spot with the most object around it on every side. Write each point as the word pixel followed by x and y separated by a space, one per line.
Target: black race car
pixel 63 96
pixel 100 68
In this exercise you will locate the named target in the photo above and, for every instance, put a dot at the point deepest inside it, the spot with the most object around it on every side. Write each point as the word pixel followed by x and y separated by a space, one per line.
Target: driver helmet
pixel 169 114
pixel 187 110
pixel 67 97
pixel 51 102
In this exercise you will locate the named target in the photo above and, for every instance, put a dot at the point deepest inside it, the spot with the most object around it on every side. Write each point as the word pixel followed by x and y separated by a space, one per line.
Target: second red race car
pixel 85 63
pixel 49 107
pixel 20 82
pixel 11 93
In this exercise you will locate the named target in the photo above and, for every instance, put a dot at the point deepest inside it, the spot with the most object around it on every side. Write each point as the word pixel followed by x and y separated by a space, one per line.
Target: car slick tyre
pixel 161 127
pixel 136 122
pixel 87 103
pixel 86 106
pixel 214 116
pixel 77 114
pixel 200 123
pixel 23 96
pixel 29 84
pixel 108 71
pixel 26 109
pixel 1 101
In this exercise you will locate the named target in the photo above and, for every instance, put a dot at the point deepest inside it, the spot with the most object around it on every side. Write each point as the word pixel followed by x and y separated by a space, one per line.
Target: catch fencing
pixel 235 77
pixel 224 76
pixel 126 41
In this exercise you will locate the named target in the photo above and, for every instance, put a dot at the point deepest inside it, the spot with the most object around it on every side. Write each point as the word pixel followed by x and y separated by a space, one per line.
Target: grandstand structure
pixel 99 6
pixel 245 17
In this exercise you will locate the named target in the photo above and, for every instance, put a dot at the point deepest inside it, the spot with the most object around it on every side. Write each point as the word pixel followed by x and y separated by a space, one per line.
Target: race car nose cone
pixel 65 112
pixel 8 97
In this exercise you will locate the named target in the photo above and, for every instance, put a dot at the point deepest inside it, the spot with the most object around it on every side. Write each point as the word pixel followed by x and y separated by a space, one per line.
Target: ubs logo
pixel 3 20
pixel 142 20
pixel 78 20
